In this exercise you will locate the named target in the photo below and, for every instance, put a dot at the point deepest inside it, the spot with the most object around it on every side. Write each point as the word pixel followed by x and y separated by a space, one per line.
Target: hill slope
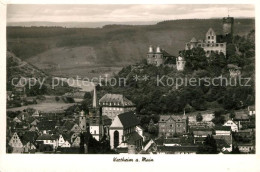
pixel 112 45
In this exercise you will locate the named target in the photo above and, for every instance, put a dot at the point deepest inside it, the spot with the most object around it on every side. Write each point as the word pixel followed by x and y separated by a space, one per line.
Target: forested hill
pixel 162 91
pixel 112 44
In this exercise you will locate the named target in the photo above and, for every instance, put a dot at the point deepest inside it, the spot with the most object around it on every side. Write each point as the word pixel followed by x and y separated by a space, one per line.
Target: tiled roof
pixel 227 138
pixel 68 125
pixel 223 128
pixel 115 100
pixel 29 137
pixel 128 119
pixel 46 137
pixel 133 137
pixel 241 115
pixel 204 133
pixel 172 141
pixel 221 143
pixel 251 108
pixel 178 148
pixel 232 66
pixel 46 125
pixel 164 118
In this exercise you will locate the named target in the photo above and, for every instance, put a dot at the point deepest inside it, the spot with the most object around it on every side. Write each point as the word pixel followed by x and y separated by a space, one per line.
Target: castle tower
pixel 158 57
pixel 180 63
pixel 82 121
pixel 228 24
pixel 150 55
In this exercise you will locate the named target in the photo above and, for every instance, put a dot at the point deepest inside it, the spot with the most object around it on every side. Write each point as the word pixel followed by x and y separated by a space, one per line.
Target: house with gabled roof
pixel 16 143
pixel 172 124
pixel 75 141
pixel 232 124
pixel 17 120
pixel 47 139
pixel 46 126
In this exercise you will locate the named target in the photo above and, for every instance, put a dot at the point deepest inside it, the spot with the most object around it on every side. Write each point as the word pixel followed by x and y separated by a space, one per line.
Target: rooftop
pixel 128 119
pixel 115 100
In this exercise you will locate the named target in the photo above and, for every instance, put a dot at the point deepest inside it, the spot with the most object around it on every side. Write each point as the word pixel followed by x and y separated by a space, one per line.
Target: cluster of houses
pixel 113 117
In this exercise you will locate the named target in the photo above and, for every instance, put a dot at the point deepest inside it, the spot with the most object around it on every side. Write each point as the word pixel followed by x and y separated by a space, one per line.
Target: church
pixel 123 132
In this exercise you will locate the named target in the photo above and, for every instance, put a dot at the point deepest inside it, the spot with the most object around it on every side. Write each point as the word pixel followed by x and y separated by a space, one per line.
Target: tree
pixel 232 114
pixel 209 146
pixel 199 117
pixel 57 98
pixel 235 150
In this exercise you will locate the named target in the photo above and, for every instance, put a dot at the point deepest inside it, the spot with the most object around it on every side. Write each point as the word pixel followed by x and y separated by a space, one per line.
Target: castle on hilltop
pixel 213 42
pixel 159 57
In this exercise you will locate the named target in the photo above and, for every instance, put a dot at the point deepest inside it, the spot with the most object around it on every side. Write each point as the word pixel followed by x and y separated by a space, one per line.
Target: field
pixel 47 105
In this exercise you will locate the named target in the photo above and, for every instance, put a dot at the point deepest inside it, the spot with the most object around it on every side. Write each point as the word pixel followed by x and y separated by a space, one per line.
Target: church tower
pixel 82 121
pixel 95 118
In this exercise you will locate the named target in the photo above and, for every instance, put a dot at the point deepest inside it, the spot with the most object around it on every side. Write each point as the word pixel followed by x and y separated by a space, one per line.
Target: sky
pixel 123 12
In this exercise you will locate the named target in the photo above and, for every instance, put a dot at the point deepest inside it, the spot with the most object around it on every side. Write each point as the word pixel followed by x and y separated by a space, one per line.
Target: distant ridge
pixel 75 24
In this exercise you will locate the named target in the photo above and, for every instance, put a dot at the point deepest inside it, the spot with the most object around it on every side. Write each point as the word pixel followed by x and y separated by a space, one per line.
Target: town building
pixel 115 104
pixel 192 149
pixel 213 42
pixel 16 143
pixel 234 70
pixel 232 124
pixel 169 125
pixel 251 110
pixel 246 147
pixel 223 130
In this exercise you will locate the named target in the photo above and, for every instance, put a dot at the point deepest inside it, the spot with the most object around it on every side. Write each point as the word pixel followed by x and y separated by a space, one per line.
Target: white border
pixel 12 162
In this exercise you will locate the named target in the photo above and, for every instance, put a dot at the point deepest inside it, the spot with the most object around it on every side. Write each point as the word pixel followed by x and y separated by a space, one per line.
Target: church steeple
pixel 94 98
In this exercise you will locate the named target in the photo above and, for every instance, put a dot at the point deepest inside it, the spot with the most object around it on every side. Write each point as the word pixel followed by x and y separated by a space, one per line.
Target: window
pixel 208 37
pixel 221 45
pixel 212 37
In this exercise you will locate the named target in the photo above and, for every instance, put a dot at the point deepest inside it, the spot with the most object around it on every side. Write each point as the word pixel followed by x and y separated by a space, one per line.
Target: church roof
pixel 133 137
pixel 128 119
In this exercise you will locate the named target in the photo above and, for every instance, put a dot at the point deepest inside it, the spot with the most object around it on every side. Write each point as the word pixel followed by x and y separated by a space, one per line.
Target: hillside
pixel 20 68
pixel 60 49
